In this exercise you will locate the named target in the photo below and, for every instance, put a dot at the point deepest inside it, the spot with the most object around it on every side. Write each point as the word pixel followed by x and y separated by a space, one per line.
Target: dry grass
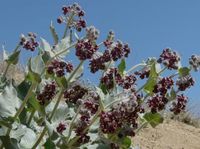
pixel 188 118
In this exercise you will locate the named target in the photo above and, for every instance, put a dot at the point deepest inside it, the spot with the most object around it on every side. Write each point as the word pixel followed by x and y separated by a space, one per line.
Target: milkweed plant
pixel 55 107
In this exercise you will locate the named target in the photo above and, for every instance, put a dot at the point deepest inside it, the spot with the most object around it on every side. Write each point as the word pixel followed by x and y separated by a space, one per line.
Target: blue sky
pixel 148 26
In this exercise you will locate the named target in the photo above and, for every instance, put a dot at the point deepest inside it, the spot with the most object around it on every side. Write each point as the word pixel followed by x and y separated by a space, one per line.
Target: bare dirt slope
pixel 169 135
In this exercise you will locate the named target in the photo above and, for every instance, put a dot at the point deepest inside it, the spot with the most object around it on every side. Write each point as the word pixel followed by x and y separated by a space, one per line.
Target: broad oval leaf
pixel 62 46
pixel 37 64
pixel 153 118
pixel 32 76
pixel 9 101
pixel 184 71
pixel 122 66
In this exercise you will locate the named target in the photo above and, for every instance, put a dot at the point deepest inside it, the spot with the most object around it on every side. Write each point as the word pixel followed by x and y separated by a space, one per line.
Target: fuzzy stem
pixel 74 72
pixel 67 25
pixel 75 139
pixel 56 105
pixel 142 126
pixel 33 86
pixel 61 52
pixel 134 67
pixel 140 88
pixel 40 138
pixel 31 117
pixel 72 123
pixel 6 70
pixel 92 121
pixel 52 114
pixel 162 70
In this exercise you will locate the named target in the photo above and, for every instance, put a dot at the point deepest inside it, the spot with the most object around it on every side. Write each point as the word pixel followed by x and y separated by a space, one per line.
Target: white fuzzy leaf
pixel 63 45
pixel 9 102
pixel 37 64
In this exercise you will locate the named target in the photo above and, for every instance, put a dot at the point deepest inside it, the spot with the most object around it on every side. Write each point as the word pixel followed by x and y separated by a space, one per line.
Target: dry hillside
pixel 169 135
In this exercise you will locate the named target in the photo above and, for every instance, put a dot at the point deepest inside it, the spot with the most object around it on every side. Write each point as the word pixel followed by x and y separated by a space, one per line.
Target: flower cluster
pixel 163 85
pixel 127 81
pixel 114 51
pixel 109 76
pixel 75 93
pixel 92 102
pixel 112 76
pixel 119 50
pixel 85 49
pixel 122 114
pixel 184 82
pixel 72 15
pixel 89 106
pixel 143 73
pixel 60 128
pixel 180 104
pixel 169 58
pixel 109 41
pixel 47 94
pixel 29 42
pixel 92 33
pixel 157 103
pixel 99 63
pixel 59 67
pixel 194 61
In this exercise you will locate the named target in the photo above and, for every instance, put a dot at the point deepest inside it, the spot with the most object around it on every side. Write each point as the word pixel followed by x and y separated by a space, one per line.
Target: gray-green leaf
pixel 183 71
pixel 122 66
pixel 153 118
pixel 9 102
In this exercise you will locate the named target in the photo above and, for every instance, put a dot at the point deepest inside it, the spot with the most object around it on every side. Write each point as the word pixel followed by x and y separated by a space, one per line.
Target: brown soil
pixel 169 135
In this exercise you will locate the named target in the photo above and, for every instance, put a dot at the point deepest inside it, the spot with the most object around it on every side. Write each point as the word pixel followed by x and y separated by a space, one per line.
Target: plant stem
pixel 75 139
pixel 32 87
pixel 162 70
pixel 66 30
pixel 142 126
pixel 40 138
pixel 72 123
pixel 61 52
pixel 74 72
pixel 31 117
pixel 134 67
pixel 67 25
pixel 6 70
pixel 51 116
pixel 92 121
pixel 140 88
pixel 56 105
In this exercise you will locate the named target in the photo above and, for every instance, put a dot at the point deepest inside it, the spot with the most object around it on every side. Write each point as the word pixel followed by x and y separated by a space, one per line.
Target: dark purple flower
pixel 29 42
pixel 169 58
pixel 184 82
pixel 60 128
pixel 157 103
pixel 73 94
pixel 179 105
pixel 85 49
pixel 47 94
